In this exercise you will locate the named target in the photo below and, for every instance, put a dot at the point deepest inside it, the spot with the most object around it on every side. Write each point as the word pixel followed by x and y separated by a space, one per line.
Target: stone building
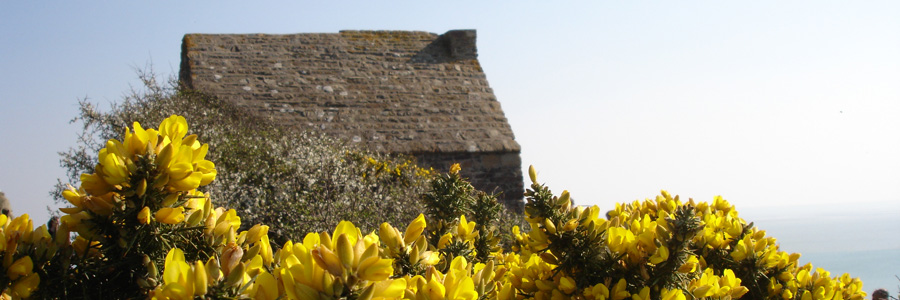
pixel 409 92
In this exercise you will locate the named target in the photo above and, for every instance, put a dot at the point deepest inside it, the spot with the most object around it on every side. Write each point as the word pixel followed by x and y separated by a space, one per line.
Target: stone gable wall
pixel 407 92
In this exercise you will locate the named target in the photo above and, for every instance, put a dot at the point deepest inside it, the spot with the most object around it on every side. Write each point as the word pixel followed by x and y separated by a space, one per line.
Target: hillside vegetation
pixel 156 214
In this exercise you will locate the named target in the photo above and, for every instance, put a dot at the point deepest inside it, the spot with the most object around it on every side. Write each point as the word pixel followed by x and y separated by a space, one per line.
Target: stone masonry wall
pixel 391 91
pixel 409 92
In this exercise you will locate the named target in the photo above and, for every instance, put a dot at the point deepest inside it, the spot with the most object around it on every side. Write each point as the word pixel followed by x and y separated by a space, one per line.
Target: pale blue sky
pixel 786 108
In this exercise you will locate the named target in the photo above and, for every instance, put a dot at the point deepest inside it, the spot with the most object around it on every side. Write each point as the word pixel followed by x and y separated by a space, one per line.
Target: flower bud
pixel 421 243
pixel 370 251
pixel 200 279
pixel 164 158
pixel 333 287
pixel 141 188
pixel 662 232
pixel 414 229
pixel 195 218
pixel 171 199
pixel 236 276
pixel 389 236
pixel 144 284
pixel 570 225
pixel 532 174
pixel 549 258
pixel 152 271
pixel 414 254
pixel 145 260
pixel 551 229
pixel 256 232
pixel 220 228
pixel 161 181
pixel 143 216
pixel 326 259
pixel 445 240
pixel 367 293
pixel 213 270
pixel 344 251
pixel 325 239
pixel 487 272
pixel 563 200
pixel 231 257
pixel 253 251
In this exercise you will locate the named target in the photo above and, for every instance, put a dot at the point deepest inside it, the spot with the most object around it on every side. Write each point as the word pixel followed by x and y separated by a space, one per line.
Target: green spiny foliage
pixel 451 197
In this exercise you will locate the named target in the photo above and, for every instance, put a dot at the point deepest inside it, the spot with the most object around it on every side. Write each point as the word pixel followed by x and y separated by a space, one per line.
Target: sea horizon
pixel 859 238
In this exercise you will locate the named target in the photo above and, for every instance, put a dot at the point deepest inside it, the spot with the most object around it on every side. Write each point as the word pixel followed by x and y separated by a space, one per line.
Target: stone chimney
pixel 461 43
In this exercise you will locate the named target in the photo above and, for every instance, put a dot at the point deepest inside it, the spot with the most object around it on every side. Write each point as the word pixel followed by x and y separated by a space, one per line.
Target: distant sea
pixel 859 238
pixel 876 268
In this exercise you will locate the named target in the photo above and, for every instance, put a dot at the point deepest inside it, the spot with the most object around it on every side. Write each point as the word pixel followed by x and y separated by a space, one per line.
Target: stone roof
pixel 395 91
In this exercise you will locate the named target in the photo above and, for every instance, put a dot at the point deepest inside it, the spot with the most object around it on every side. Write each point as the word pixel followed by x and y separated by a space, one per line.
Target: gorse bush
pixel 657 249
pixel 142 230
pixel 271 174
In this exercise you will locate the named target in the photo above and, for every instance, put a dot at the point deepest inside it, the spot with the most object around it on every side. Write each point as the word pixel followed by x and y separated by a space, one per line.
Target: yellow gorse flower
pixel 673 294
pixel 182 280
pixel 414 230
pixel 328 265
pixel 457 284
pixel 454 168
pixel 466 230
pixel 638 238
pixel 21 267
pixel 179 158
pixel 177 166
pixel 143 216
pixel 620 239
pixel 639 250
pixel 170 215
pixel 18 239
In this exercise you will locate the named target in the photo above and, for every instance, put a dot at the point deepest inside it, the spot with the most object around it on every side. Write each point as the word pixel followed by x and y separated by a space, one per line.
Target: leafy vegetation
pixel 144 223
pixel 271 174
pixel 140 208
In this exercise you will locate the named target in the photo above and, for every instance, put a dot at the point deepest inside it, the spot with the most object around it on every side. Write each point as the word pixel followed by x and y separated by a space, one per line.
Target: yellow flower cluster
pixel 22 249
pixel 395 169
pixel 749 247
pixel 179 159
pixel 660 249
pixel 146 186
pixel 410 245
pixel 241 263
pixel 327 266
pixel 148 164
pixel 141 203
